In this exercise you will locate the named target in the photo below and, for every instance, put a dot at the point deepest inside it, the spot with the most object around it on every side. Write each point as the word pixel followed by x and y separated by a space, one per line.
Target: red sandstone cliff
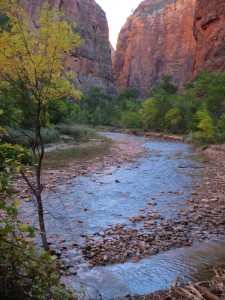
pixel 92 61
pixel 156 40
pixel 209 31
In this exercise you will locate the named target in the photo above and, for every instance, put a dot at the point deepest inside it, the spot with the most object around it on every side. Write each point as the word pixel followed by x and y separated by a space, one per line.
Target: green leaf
pixel 18 168
pixel 53 257
pixel 31 232
pixel 23 227
pixel 16 202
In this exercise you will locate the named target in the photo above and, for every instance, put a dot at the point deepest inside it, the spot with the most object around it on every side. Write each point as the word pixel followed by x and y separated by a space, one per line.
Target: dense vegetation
pixel 199 111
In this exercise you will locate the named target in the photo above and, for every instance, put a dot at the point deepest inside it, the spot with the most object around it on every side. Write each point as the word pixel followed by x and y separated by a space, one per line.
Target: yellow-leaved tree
pixel 33 55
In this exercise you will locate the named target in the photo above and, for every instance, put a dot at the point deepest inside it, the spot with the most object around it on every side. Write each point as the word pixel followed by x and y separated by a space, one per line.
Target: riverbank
pixel 120 150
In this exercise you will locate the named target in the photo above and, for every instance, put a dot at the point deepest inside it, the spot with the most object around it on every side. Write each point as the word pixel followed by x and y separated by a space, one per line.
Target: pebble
pixel 152 203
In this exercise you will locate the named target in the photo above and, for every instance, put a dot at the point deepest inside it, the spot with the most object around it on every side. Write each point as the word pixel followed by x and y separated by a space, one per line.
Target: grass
pixel 61 158
pixel 77 132
pixel 83 144
pixel 25 137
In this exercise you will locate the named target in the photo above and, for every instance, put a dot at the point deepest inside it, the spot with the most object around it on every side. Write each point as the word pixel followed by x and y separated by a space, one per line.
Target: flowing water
pixel 154 273
pixel 165 175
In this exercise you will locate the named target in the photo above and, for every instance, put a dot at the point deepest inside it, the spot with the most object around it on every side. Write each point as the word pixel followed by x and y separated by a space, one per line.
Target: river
pixel 165 176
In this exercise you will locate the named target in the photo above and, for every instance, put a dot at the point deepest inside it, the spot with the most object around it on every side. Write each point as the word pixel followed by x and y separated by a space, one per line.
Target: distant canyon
pixel 161 37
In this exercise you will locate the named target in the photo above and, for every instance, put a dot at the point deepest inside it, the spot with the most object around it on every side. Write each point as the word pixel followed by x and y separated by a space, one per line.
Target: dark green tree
pixel 96 107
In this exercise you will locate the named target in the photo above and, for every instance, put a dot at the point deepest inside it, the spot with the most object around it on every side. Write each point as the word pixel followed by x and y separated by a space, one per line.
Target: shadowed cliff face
pixel 92 61
pixel 209 31
pixel 156 40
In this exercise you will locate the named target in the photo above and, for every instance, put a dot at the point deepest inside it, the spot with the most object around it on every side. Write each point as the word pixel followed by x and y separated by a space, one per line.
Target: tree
pixel 173 119
pixel 205 125
pixel 33 57
pixel 131 119
pixel 209 88
pixel 166 84
pixel 96 105
pixel 126 99
pixel 25 273
pixel 154 109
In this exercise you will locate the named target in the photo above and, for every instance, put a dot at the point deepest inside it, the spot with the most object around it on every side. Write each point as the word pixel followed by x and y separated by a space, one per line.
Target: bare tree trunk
pixel 42 223
pixel 37 194
pixel 38 154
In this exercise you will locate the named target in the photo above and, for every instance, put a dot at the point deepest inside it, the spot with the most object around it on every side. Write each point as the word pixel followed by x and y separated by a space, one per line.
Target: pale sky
pixel 117 11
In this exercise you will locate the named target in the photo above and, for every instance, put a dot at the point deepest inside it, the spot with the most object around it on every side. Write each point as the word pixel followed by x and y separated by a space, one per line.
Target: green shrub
pixel 49 135
pixel 25 273
pixel 131 120
pixel 23 137
pixel 206 132
pixel 79 133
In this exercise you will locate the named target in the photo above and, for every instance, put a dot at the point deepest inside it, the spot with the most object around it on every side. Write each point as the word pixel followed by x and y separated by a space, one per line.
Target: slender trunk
pixel 38 154
pixel 42 223
pixel 39 187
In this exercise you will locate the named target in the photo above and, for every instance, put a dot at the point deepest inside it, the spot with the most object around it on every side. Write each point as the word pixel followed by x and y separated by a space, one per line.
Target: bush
pixel 173 119
pixel 205 125
pixel 23 137
pixel 49 135
pixel 131 120
pixel 79 133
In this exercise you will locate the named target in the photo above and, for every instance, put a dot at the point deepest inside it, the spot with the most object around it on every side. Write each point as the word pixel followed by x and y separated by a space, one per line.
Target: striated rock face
pixel 92 61
pixel 156 40
pixel 209 31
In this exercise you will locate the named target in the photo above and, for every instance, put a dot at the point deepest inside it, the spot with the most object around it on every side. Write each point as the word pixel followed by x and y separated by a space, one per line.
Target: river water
pixel 165 174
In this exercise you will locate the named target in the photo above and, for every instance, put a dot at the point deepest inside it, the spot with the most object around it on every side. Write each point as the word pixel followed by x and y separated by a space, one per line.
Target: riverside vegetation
pixel 37 97
pixel 198 112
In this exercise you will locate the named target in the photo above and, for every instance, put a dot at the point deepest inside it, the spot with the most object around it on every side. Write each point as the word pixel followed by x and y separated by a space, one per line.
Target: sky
pixel 117 11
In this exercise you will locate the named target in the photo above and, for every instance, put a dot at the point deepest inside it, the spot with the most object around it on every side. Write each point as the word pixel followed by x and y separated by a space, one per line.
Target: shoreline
pixel 122 150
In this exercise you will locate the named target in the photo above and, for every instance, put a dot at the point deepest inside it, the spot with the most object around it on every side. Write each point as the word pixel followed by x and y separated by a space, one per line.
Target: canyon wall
pixel 170 37
pixel 161 37
pixel 209 31
pixel 156 40
pixel 91 62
